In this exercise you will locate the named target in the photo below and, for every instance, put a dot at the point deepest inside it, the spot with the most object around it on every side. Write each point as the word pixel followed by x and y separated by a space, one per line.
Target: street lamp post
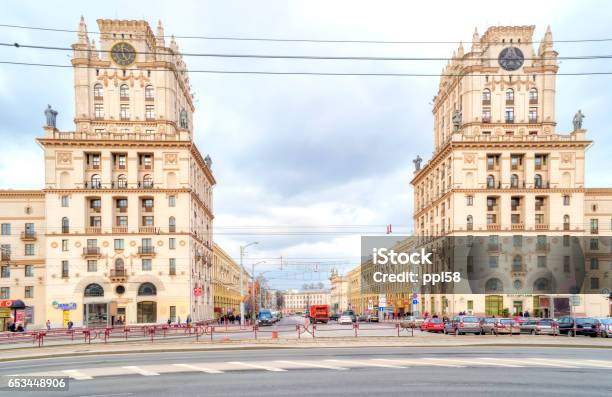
pixel 242 249
pixel 253 289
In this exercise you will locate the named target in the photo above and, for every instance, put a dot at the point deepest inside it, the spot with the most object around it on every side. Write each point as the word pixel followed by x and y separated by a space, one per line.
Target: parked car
pixel 487 325
pixel 463 325
pixel 372 318
pixel 265 317
pixel 507 326
pixel 572 326
pixel 605 327
pixel 345 319
pixel 538 326
pixel 432 325
pixel 334 317
pixel 351 314
pixel 411 322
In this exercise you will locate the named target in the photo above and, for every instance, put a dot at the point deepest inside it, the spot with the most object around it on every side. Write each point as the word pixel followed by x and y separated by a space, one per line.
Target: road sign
pixel 382 300
pixel 415 301
pixel 575 300
pixel 415 295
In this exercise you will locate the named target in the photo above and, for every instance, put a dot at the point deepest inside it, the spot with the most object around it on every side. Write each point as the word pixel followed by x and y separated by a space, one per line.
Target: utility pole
pixel 242 249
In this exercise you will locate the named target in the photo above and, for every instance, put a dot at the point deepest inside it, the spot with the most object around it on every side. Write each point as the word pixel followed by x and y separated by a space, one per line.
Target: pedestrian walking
pixel 70 324
pixel 48 325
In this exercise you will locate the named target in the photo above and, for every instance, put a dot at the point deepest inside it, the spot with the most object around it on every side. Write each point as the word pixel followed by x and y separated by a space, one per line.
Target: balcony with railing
pixel 91 252
pixel 118 275
pixel 93 230
pixel 517 226
pixel 493 226
pixel 28 236
pixel 147 229
pixel 146 250
pixel 541 226
pixel 120 229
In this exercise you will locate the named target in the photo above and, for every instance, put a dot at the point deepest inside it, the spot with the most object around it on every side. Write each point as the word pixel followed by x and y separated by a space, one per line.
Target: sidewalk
pixel 306 343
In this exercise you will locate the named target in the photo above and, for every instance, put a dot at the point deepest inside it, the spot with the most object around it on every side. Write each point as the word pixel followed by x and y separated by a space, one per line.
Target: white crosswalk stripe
pixel 366 363
pixel 75 374
pixel 555 363
pixel 199 368
pixel 423 362
pixel 257 366
pixel 140 371
pixel 309 364
pixel 474 362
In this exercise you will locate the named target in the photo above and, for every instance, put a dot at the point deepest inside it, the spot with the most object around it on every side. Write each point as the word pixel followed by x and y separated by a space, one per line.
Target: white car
pixel 345 319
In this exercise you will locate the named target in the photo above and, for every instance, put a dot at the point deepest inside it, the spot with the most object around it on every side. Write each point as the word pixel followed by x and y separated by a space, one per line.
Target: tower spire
pixel 159 39
pixel 83 38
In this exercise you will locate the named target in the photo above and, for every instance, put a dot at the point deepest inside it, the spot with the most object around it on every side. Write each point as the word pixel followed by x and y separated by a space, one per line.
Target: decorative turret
pixel 476 47
pixel 159 39
pixel 94 51
pixel 83 38
pixel 460 51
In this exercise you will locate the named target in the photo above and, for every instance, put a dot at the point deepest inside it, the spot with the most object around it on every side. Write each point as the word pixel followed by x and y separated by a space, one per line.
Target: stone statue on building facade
pixel 183 119
pixel 417 163
pixel 578 117
pixel 456 120
pixel 51 116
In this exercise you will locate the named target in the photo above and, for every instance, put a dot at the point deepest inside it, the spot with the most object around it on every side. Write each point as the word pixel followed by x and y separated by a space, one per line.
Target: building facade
pixel 338 292
pixel 125 223
pixel 296 302
pixel 226 283
pixel 502 174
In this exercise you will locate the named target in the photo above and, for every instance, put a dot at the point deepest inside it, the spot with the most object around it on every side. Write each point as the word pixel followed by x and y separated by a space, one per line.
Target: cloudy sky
pixel 317 160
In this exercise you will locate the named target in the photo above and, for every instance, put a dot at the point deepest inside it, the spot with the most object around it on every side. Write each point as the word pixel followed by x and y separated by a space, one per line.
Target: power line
pixel 305 57
pixel 253 72
pixel 290 40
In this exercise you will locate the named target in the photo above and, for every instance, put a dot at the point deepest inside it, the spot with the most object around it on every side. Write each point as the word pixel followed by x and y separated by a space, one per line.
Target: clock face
pixel 511 58
pixel 123 54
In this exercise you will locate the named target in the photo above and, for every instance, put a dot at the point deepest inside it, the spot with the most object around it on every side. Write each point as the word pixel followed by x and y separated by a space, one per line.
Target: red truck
pixel 318 313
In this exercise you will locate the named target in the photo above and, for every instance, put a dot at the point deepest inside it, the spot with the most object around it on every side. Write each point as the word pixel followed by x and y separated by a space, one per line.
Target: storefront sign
pixel 5 312
pixel 64 306
pixel 197 291
pixel 6 303
pixel 29 315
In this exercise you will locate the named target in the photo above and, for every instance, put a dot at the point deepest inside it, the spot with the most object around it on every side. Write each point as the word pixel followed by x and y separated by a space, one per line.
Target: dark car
pixel 463 325
pixel 334 316
pixel 265 317
pixel 572 326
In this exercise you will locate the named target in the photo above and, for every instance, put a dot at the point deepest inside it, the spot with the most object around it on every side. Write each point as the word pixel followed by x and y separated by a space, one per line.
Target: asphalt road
pixel 440 371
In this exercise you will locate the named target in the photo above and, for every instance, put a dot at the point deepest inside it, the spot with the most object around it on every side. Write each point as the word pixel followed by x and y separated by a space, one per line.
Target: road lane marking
pixel 256 366
pixel 473 362
pixel 368 363
pixel 140 371
pixel 78 375
pixel 107 395
pixel 593 363
pixel 300 363
pixel 554 362
pixel 518 361
pixel 423 361
pixel 198 368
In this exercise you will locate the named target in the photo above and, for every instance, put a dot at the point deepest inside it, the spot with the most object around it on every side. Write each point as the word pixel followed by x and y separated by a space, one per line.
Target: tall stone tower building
pixel 126 225
pixel 501 173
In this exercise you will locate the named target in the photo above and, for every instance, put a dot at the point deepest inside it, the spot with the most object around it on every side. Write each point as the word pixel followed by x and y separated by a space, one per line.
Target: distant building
pixel 300 301
pixel 338 293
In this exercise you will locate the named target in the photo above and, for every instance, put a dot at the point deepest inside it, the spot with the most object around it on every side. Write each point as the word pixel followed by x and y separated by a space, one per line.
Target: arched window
pixel 171 224
pixel 124 91
pixel 566 222
pixel 514 180
pixel 147 289
pixel 533 95
pixel 491 182
pixel 65 225
pixel 96 181
pixel 119 264
pixel 537 181
pixel 147 181
pixel 98 90
pixel 122 181
pixel 542 285
pixel 509 95
pixel 493 285
pixel 149 92
pixel 94 290
pixel 486 95
pixel 517 263
pixel 470 222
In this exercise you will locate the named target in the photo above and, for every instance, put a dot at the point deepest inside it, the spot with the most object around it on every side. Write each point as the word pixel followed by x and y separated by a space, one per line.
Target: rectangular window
pixel 172 314
pixel 172 266
pixel 493 262
pixel 147 264
pixel 99 111
pixel 28 271
pixel 515 218
pixel 95 221
pixel 470 305
pixel 171 201
pixel 124 111
pixel 491 219
pixel 566 200
pixel 65 201
pixel 594 283
pixel 533 115
pixel 147 221
pixel 594 264
pixel 64 245
pixel 566 240
pixel 28 292
pixel 29 249
pixel 594 226
pixel 122 221
pixel 509 115
pixel 5 272
pixel 119 244
pixel 150 112
pixel 541 261
pixel 539 219
pixel 594 244
pixel 172 243
pixel 6 229
pixel 516 160
pixel 65 269
pixel 5 293
pixel 566 264
pixel 517 241
pixel 486 115
pixel 92 266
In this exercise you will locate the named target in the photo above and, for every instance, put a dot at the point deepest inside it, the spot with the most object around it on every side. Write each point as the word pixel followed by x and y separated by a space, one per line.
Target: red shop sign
pixel 6 303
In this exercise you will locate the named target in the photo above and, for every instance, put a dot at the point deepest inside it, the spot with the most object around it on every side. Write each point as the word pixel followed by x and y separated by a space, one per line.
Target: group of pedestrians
pixel 15 327
pixel 229 319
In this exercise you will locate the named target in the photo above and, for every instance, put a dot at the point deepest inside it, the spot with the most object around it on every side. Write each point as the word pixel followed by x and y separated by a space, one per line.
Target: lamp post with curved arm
pixel 242 249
